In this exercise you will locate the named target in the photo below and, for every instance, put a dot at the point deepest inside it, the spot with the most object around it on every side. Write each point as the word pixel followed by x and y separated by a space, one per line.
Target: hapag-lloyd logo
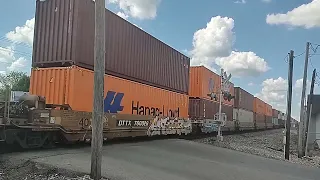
pixel 112 104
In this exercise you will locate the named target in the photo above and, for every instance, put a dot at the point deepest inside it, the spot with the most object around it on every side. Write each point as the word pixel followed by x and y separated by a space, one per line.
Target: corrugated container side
pixel 228 110
pixel 268 119
pixel 259 106
pixel 275 121
pixel 202 108
pixel 259 118
pixel 206 109
pixel 74 86
pixel 243 99
pixel 275 113
pixel 64 36
pixel 268 109
pixel 242 115
pixel 203 81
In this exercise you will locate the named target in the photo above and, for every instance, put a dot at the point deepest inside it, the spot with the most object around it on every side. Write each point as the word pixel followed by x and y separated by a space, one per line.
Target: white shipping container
pixel 242 115
pixel 280 115
pixel 275 121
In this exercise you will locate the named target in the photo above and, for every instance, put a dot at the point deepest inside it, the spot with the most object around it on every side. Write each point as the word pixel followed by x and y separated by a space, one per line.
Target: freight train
pixel 58 110
pixel 150 88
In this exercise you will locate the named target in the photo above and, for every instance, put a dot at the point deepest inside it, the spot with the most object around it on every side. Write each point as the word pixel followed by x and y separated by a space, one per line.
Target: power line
pixel 16 52
pixel 299 55
pixel 286 59
pixel 5 39
pixel 314 49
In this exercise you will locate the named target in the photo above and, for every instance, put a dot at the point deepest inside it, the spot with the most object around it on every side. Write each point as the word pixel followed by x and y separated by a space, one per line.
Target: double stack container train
pixel 150 88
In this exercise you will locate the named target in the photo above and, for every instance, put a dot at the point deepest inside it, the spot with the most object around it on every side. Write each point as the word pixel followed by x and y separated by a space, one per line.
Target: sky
pixel 250 39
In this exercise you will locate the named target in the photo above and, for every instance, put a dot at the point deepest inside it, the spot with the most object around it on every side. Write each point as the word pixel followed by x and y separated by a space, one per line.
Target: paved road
pixel 175 160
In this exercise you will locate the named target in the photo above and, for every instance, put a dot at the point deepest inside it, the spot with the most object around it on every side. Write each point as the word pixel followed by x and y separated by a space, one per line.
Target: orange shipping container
pixel 259 106
pixel 203 81
pixel 268 110
pixel 74 86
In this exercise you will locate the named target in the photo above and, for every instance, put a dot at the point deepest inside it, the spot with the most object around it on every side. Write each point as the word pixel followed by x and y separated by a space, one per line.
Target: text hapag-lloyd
pixel 154 111
pixel 112 104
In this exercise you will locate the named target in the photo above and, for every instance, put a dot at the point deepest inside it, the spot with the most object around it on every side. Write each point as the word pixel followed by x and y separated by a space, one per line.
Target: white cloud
pixel 241 2
pixel 140 9
pixel 23 34
pixel 242 64
pixel 250 84
pixel 9 62
pixel 9 59
pixel 123 15
pixel 6 55
pixel 306 15
pixel 19 65
pixel 213 45
pixel 266 1
pixel 215 40
pixel 274 92
pixel 298 84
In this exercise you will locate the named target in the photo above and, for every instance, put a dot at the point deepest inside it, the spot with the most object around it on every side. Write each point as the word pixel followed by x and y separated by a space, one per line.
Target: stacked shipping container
pixel 268 115
pixel 243 108
pixel 275 117
pixel 203 82
pixel 73 86
pixel 259 113
pixel 64 35
pixel 143 74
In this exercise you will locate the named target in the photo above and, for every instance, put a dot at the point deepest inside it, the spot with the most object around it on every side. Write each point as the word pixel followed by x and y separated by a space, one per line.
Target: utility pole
pixel 99 71
pixel 302 107
pixel 219 136
pixel 309 106
pixel 289 99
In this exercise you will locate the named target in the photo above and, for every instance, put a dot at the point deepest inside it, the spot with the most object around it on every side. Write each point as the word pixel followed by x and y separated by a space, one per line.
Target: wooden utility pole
pixel 302 110
pixel 289 99
pixel 99 71
pixel 309 105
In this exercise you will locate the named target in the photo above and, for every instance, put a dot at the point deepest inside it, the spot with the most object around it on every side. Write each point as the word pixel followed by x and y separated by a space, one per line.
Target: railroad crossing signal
pixel 213 96
pixel 228 96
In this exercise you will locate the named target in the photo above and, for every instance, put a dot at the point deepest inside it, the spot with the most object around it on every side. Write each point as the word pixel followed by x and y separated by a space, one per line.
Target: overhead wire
pixel 299 55
pixel 19 52
pixel 6 40
pixel 22 53
pixel 314 49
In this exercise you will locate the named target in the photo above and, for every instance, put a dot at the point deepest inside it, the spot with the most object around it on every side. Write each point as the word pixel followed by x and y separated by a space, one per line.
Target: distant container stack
pixel 203 82
pixel 268 115
pixel 276 115
pixel 143 74
pixel 243 108
pixel 259 113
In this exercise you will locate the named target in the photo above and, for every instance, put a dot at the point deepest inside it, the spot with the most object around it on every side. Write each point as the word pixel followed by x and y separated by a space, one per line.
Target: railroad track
pixel 5 148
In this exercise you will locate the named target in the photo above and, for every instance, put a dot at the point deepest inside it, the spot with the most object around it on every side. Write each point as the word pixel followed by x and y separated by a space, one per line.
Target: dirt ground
pixel 16 169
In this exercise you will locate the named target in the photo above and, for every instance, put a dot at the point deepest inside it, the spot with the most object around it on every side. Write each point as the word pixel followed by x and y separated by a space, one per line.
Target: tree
pixel 17 81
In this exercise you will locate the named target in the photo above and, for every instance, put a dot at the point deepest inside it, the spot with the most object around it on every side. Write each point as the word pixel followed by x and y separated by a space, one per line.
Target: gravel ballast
pixel 268 144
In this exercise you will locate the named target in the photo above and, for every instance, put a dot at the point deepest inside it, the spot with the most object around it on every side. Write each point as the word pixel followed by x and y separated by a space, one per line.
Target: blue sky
pixel 239 27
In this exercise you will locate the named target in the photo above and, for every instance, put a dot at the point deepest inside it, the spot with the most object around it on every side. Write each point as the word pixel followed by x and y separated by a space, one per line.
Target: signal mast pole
pixel 219 136
pixel 99 71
